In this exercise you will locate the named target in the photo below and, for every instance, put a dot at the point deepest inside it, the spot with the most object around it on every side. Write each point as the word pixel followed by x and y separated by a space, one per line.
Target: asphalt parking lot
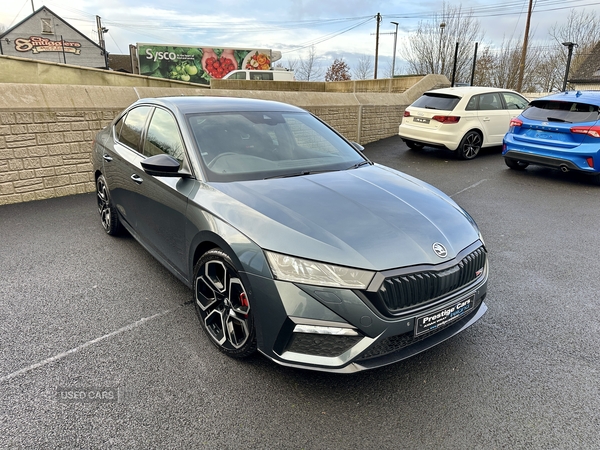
pixel 86 315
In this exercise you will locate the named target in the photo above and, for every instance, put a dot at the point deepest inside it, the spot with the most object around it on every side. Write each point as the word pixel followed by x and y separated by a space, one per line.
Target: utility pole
pixel 395 41
pixel 524 51
pixel 570 46
pixel 474 64
pixel 442 26
pixel 377 45
pixel 395 33
pixel 32 7
pixel 101 42
pixel 100 33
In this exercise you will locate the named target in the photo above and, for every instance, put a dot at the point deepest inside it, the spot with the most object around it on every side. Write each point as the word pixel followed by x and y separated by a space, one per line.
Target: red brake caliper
pixel 244 301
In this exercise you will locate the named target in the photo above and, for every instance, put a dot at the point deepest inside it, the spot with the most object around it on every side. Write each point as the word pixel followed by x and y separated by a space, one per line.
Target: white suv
pixel 463 119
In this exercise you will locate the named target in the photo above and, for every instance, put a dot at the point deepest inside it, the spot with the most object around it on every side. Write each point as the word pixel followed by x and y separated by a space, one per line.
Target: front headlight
pixel 298 270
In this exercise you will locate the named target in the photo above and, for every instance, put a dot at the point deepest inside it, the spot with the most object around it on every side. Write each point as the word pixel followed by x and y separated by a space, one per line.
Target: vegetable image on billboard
pixel 197 64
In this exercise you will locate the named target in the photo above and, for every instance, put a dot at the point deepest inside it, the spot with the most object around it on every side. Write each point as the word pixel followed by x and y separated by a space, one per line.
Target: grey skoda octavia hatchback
pixel 292 241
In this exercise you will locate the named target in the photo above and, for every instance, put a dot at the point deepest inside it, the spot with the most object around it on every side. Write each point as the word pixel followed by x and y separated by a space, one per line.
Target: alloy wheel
pixel 103 203
pixel 470 145
pixel 223 305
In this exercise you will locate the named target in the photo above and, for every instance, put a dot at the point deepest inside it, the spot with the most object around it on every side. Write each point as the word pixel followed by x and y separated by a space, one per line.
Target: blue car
pixel 561 131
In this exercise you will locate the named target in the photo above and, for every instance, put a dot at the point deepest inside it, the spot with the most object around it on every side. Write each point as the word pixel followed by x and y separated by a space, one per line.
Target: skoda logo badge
pixel 440 250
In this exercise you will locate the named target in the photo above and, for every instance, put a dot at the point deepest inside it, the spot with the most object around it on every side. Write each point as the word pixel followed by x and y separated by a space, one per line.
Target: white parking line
pixel 87 344
pixel 470 187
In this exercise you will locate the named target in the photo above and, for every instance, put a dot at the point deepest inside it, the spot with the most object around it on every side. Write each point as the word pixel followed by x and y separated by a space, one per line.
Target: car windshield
pixel 561 111
pixel 236 146
pixel 431 100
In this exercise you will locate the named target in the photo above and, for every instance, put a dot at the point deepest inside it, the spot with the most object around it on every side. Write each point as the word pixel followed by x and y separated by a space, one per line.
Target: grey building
pixel 587 76
pixel 44 36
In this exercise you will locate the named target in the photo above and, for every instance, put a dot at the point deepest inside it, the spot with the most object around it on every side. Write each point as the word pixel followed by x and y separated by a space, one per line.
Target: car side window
pixel 163 136
pixel 261 76
pixel 119 125
pixel 131 131
pixel 472 104
pixel 514 101
pixel 489 102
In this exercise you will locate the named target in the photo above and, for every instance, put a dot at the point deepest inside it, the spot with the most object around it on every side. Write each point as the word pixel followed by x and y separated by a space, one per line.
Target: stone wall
pixel 46 154
pixel 47 131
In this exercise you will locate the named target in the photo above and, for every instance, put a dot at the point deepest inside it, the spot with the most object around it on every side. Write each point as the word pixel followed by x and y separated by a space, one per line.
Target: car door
pixel 493 117
pixel 514 103
pixel 122 160
pixel 162 201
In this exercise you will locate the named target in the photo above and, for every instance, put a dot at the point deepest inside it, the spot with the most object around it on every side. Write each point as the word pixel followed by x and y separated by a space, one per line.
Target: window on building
pixel 47 26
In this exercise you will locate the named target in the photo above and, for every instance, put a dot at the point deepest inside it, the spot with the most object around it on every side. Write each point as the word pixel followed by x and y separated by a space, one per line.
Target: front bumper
pixel 359 364
pixel 339 330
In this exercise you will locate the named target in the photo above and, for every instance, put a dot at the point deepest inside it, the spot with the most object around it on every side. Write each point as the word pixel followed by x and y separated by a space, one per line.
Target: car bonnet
pixel 372 218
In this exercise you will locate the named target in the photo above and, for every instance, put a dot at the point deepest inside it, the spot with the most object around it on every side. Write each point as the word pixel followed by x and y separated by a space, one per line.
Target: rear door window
pixel 431 100
pixel 490 102
pixel 131 131
pixel 237 76
pixel 561 111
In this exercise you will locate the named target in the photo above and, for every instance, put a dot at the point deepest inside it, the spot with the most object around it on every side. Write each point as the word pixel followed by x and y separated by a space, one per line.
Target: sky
pixel 333 28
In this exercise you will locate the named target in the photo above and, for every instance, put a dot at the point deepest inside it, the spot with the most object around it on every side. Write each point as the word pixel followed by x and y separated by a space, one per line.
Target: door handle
pixel 107 157
pixel 135 177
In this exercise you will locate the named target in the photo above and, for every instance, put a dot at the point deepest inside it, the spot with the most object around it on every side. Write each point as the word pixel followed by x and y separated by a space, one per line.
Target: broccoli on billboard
pixel 198 64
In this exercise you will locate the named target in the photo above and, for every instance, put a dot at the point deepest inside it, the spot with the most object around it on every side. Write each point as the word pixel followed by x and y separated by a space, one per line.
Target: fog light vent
pixel 329 345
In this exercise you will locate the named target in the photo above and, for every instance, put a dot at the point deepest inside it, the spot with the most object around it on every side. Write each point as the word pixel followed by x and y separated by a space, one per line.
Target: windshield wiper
pixel 556 119
pixel 357 165
pixel 300 174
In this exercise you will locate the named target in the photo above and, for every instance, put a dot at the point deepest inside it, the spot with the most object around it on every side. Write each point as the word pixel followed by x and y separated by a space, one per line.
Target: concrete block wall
pixel 46 154
pixel 46 131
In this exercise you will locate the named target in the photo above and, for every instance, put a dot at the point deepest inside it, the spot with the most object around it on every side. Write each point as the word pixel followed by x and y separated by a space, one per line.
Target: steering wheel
pixel 218 157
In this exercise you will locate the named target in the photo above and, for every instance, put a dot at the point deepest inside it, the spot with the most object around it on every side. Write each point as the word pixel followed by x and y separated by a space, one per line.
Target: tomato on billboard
pixel 198 64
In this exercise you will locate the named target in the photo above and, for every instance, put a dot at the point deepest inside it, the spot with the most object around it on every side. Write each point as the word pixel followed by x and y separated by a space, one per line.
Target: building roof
pixel 48 10
pixel 120 63
pixel 589 71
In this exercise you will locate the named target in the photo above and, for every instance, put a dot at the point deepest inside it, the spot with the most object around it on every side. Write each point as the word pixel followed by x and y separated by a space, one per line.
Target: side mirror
pixel 163 165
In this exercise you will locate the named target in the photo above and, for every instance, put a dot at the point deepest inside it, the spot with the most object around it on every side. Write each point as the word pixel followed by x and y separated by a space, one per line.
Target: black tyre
pixel 108 213
pixel 516 164
pixel 414 145
pixel 469 145
pixel 223 305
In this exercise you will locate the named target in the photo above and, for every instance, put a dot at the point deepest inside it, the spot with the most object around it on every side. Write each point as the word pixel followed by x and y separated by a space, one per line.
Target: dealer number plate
pixel 444 316
pixel 420 120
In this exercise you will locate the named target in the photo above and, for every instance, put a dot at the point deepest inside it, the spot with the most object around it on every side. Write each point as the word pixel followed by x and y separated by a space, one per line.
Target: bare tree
pixel 582 28
pixel 433 46
pixel 387 71
pixel 364 68
pixel 551 70
pixel 309 68
pixel 291 64
pixel 338 71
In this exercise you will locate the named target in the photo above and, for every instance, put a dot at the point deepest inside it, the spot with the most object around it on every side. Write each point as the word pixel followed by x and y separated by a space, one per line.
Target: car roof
pixel 461 91
pixel 201 103
pixel 579 96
